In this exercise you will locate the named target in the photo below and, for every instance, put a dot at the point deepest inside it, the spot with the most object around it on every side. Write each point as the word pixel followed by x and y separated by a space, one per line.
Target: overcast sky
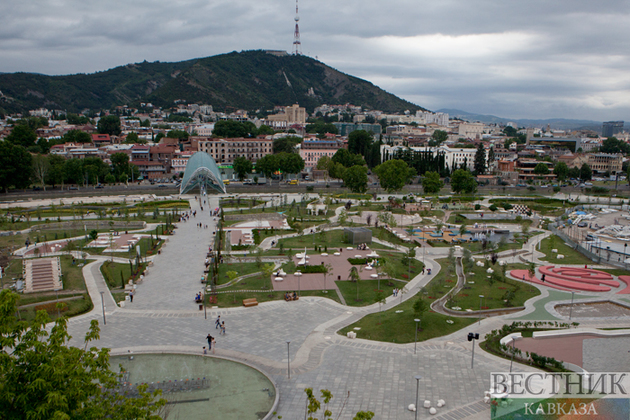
pixel 511 58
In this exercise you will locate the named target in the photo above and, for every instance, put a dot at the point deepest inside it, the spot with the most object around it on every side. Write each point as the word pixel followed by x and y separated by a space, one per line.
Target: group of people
pixel 291 296
pixel 202 226
pixel 184 217
pixel 395 291
pixel 198 297
pixel 220 325
pixel 362 247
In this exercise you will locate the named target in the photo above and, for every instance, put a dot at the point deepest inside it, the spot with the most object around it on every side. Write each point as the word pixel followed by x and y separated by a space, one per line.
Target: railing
pixel 595 257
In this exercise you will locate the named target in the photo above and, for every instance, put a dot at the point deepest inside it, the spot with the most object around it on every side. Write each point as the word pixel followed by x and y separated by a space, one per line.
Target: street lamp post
pixel 480 300
pixel 103 306
pixel 418 377
pixel 415 343
pixel 571 308
pixel 288 359
pixel 512 359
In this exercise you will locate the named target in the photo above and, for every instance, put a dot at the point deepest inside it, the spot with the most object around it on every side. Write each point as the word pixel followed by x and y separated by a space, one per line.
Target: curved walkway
pixel 378 376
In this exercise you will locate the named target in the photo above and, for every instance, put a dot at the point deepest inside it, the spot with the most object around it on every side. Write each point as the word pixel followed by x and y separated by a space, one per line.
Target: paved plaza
pixel 372 376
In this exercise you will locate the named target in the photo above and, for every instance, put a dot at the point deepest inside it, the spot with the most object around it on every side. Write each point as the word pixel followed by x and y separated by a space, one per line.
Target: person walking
pixel 131 296
pixel 217 323
pixel 223 327
pixel 209 338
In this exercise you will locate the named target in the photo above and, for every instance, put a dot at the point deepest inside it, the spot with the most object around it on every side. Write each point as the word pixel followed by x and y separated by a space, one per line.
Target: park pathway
pixel 175 276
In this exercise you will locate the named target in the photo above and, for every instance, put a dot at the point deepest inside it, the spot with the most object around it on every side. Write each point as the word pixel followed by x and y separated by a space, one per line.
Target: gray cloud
pixel 536 59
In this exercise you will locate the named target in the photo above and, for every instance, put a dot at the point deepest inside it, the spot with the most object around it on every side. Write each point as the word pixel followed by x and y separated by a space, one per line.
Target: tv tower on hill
pixel 297 45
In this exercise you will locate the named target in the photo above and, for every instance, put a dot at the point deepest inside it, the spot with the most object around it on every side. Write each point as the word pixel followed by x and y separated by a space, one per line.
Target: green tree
pixel 120 164
pixel 347 159
pixel 56 174
pixel 359 142
pixel 336 170
pixel 480 160
pixel 462 181
pixel 177 134
pixel 45 378
pixel 231 129
pixel 132 138
pixel 438 137
pixel 356 178
pixel 41 166
pixel 394 174
pixel 585 172
pixel 15 166
pixel 77 136
pixel 285 144
pixel 541 169
pixel 242 167
pixel 268 165
pixel 574 172
pixel 613 145
pixel 109 124
pixel 490 155
pixel 431 183
pixel 420 306
pixel 561 170
pixel 265 130
pixel 22 135
pixel 290 163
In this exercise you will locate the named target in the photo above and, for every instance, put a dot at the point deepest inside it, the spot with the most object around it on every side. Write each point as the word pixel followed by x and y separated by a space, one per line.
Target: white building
pixel 471 130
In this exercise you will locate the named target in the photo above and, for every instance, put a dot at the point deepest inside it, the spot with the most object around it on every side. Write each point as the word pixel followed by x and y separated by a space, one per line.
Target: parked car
pixel 162 186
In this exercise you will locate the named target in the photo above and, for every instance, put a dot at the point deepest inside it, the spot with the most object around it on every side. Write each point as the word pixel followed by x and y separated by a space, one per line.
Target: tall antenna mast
pixel 297 45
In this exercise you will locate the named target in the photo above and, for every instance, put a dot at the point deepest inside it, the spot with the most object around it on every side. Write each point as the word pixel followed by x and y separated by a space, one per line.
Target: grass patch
pixel 70 308
pixel 258 287
pixel 495 292
pixel 368 290
pixel 241 269
pixel 571 256
pixel 399 327
pixel 118 275
pixel 392 327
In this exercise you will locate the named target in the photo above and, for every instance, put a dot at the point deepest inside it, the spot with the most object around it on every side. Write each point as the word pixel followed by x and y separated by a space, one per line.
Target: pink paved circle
pixel 575 279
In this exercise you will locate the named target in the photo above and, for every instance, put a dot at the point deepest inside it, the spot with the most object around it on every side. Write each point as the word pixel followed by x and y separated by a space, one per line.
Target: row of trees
pixel 19 169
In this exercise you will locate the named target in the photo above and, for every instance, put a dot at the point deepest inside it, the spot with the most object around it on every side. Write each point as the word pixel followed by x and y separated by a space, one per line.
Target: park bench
pixel 250 302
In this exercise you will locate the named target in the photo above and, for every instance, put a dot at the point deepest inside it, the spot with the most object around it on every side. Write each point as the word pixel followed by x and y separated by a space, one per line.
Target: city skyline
pixel 530 60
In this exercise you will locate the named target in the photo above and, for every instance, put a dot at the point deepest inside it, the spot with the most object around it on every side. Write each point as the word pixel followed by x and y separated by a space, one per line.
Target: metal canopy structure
pixel 201 170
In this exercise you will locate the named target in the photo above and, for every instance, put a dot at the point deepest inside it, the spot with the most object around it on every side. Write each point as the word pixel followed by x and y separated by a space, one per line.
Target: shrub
pixel 493 207
pixel 477 206
pixel 507 206
pixel 308 269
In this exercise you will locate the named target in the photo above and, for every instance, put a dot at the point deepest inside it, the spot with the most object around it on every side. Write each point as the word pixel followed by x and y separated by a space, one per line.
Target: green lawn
pixel 390 326
pixel 368 290
pixel 386 235
pixel 71 308
pixel 399 327
pixel 571 256
pixel 241 269
pixel 495 293
pixel 117 275
pixel 235 294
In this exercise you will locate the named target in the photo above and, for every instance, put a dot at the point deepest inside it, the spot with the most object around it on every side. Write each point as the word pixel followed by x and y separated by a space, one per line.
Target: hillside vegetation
pixel 247 80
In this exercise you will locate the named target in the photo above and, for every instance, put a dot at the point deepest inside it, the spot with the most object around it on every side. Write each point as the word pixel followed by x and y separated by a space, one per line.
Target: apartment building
pixel 605 162
pixel 312 150
pixel 224 151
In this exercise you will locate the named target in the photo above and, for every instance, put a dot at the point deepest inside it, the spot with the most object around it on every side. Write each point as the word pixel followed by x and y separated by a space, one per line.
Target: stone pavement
pixel 175 276
pixel 378 376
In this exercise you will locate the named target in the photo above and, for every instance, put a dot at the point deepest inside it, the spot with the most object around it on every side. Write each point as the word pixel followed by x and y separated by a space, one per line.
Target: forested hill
pixel 247 80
